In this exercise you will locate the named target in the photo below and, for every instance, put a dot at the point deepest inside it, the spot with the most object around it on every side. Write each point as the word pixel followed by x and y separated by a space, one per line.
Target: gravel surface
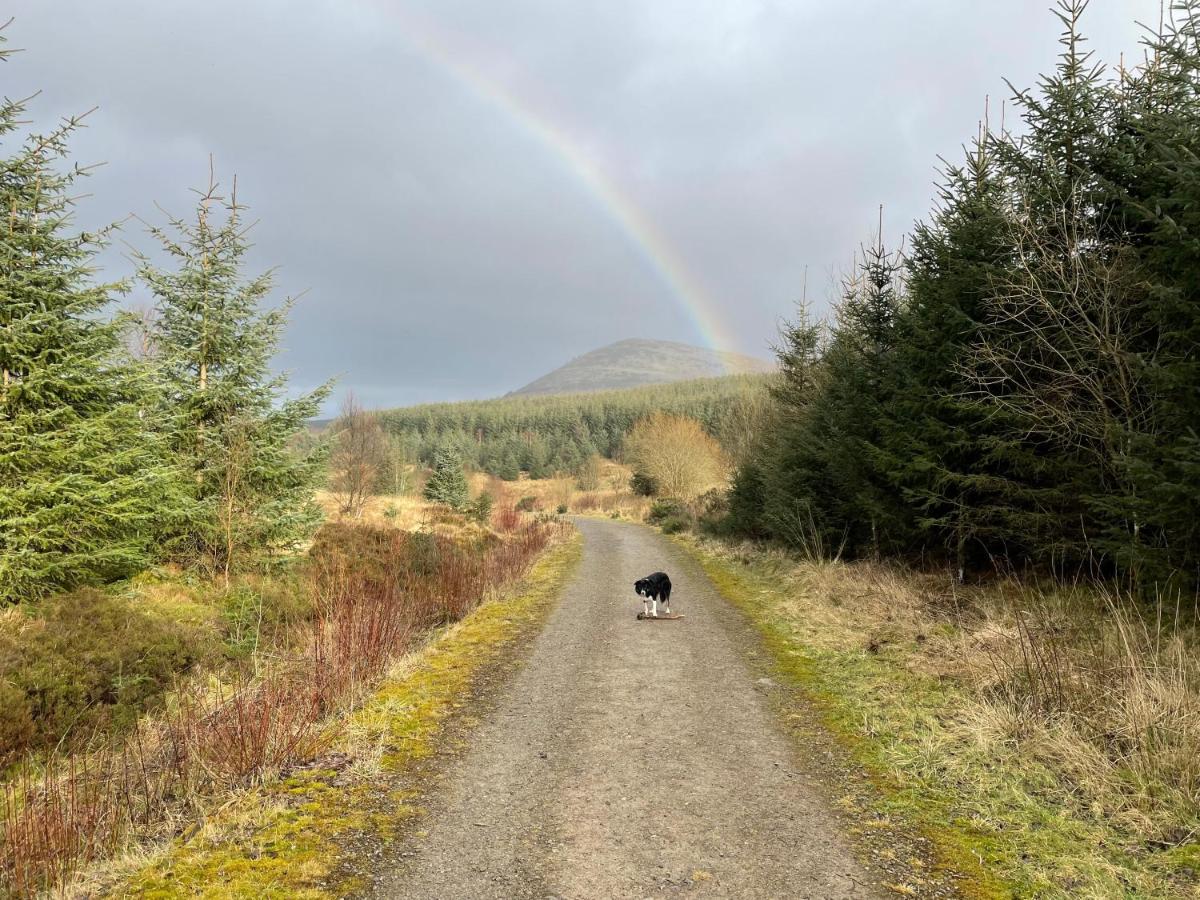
pixel 630 759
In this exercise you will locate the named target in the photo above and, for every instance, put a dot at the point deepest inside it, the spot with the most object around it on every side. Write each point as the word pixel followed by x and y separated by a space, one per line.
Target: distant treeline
pixel 1022 384
pixel 544 435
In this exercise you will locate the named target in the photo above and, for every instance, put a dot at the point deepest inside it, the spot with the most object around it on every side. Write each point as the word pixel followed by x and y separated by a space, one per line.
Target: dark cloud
pixel 446 248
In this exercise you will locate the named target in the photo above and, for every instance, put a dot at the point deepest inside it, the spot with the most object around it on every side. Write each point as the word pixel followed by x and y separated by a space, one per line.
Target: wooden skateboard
pixel 669 618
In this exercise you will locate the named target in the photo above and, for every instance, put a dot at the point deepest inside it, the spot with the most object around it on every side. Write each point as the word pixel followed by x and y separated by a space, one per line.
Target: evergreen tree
pixel 945 453
pixel 448 483
pixel 1045 473
pixel 1035 393
pixel 224 414
pixel 82 482
pixel 1154 183
pixel 856 399
pixel 759 508
pixel 822 484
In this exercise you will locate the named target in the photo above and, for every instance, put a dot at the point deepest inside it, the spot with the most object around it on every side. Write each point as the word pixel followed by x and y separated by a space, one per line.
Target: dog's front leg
pixel 645 607
pixel 654 608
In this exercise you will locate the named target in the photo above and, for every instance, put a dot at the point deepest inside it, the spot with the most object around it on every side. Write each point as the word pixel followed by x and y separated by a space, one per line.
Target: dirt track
pixel 629 759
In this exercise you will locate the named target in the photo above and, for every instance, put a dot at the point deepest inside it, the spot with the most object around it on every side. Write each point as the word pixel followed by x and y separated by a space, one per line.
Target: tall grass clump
pixel 1107 689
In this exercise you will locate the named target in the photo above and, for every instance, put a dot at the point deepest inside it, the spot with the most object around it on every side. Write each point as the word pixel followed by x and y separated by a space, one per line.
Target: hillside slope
pixel 636 362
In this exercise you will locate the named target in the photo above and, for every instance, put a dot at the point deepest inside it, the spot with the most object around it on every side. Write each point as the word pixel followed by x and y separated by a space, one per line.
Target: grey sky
pixel 398 155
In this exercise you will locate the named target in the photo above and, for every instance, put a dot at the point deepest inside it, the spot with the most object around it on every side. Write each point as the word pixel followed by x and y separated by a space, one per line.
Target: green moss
pixel 289 838
pixel 1007 823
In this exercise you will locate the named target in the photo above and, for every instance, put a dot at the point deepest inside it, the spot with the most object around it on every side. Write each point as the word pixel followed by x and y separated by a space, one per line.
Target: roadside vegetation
pixel 1019 388
pixel 311 832
pixel 361 598
pixel 1044 737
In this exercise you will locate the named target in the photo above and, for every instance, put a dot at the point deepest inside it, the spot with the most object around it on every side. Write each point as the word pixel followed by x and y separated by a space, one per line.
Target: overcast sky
pixel 415 166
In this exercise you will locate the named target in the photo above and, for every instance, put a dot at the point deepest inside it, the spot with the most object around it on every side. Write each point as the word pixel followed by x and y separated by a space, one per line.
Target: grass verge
pixel 313 833
pixel 997 799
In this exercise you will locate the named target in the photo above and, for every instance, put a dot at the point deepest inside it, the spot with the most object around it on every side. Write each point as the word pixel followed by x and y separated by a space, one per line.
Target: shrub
pixel 661 510
pixel 527 504
pixel 587 502
pixel 670 515
pixel 507 518
pixel 75 663
pixel 258 612
pixel 588 473
pixel 680 457
pixel 481 509
pixel 714 512
pixel 17 729
pixel 643 485
pixel 561 509
pixel 675 524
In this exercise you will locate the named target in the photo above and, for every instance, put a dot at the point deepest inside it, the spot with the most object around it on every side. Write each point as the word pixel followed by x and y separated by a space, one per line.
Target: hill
pixel 637 362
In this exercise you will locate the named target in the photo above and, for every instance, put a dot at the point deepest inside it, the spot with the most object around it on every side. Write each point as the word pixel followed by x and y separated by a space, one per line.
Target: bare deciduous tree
pixel 681 458
pixel 360 452
pixel 1061 352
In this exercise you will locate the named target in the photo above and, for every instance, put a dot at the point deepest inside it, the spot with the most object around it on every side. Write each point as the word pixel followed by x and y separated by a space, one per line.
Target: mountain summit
pixel 637 361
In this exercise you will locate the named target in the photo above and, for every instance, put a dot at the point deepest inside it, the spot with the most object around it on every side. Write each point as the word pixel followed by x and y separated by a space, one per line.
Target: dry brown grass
pixel 410 512
pixel 1095 686
pixel 405 511
pixel 1107 692
pixel 611 496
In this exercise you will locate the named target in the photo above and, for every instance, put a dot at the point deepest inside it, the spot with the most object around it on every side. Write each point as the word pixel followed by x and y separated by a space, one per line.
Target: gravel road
pixel 629 759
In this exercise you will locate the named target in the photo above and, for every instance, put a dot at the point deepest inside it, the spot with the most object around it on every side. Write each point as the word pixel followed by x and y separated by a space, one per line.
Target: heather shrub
pixel 662 510
pixel 86 661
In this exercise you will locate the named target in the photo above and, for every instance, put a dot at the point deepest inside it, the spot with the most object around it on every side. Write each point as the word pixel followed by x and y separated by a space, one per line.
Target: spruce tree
pixel 944 452
pixel 821 481
pixel 768 496
pixel 858 396
pixel 224 412
pixel 83 486
pixel 1044 470
pixel 448 483
pixel 1153 184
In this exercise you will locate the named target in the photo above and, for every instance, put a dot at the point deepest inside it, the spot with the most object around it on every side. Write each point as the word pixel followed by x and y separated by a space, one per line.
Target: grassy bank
pixel 301 835
pixel 152 740
pixel 1045 741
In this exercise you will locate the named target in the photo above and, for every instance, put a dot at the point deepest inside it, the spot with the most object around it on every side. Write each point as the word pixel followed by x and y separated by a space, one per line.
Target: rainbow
pixel 438 48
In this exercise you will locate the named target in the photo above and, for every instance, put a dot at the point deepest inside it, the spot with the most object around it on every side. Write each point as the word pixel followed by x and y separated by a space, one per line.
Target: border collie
pixel 654 589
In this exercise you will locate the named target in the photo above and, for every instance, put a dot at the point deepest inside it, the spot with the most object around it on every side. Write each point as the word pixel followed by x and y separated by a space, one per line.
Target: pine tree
pixel 448 483
pixel 224 413
pixel 82 484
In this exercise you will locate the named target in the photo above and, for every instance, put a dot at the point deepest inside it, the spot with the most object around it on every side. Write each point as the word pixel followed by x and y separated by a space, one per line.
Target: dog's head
pixel 640 587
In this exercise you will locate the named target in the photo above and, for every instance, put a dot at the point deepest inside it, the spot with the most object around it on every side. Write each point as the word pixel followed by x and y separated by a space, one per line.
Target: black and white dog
pixel 654 589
